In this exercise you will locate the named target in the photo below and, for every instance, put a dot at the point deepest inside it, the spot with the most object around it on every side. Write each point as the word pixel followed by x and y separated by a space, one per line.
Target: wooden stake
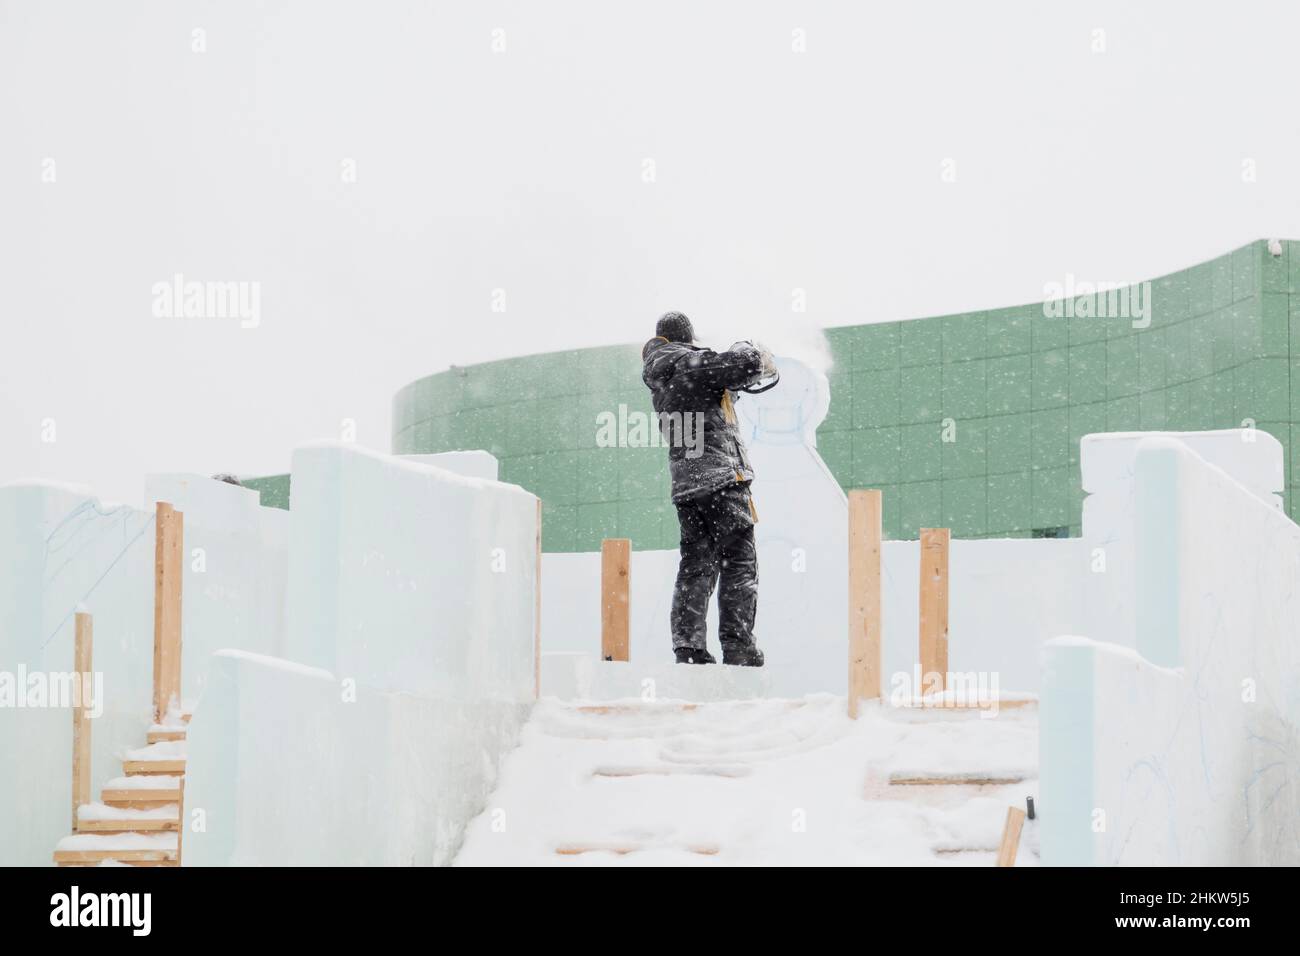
pixel 169 542
pixel 865 667
pixel 537 625
pixel 1011 836
pixel 82 655
pixel 615 608
pixel 934 610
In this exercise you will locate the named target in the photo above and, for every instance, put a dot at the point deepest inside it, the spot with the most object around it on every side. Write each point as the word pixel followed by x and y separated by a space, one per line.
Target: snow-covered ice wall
pixel 1183 748
pixel 62 550
pixel 1007 596
pixel 411 662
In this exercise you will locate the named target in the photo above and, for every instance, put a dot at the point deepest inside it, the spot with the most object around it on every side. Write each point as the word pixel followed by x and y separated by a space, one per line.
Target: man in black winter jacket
pixel 694 391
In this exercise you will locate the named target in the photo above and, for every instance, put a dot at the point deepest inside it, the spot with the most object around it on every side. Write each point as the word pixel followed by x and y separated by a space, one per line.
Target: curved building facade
pixel 967 421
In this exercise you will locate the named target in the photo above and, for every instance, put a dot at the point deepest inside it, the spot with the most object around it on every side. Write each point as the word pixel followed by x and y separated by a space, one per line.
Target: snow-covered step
pixel 94 848
pixel 672 769
pixel 101 818
pixel 157 735
pixel 150 788
pixel 964 778
pixel 623 849
pixel 163 757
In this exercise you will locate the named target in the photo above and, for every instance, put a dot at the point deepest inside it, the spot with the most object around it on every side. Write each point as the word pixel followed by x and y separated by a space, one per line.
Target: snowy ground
pixel 765 782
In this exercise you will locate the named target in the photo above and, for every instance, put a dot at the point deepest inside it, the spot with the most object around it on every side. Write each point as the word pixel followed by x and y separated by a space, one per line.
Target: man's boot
pixel 742 655
pixel 693 655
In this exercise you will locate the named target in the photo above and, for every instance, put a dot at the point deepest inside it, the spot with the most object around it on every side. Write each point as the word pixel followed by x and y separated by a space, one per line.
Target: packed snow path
pixel 757 782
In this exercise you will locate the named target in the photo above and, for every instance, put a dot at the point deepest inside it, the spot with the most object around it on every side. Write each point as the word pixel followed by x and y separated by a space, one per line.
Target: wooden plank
pixel 146 825
pixel 169 543
pixel 615 607
pixel 537 611
pixel 865 667
pixel 622 849
pixel 953 780
pixel 122 856
pixel 159 736
pixel 139 797
pixel 82 665
pixel 934 610
pixel 135 768
pixel 1011 836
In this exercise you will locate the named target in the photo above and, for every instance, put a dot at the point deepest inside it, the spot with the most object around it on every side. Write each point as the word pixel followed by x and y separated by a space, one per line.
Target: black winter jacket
pixel 693 393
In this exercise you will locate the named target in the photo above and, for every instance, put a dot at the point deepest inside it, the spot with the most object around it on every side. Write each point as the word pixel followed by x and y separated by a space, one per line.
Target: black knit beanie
pixel 675 327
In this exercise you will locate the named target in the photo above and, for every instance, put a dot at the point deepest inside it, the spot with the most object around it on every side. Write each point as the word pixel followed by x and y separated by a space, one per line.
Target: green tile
pixel 1053 500
pixel 1007 332
pixel 589 414
pixel 1179 414
pixel 921 342
pixel 921 506
pixel 1169 298
pixel 839 415
pixel 558 524
pixel 891 506
pixel 1009 384
pixel 1269 399
pixel 1051 378
pixel 1223 399
pixel 1124 414
pixel 593 524
pixel 1010 499
pixel 642 522
pixel 842 340
pixel 555 475
pixel 1200 289
pixel 1178 353
pixel 1084 420
pixel 877 346
pixel 875 398
pixel 919 452
pixel 1245 271
pixel 1221 282
pixel 963 337
pixel 1087 372
pixel 557 374
pixel 1050 438
pixel 836 449
pixel 1274 271
pixel 1151 411
pixel 1201 354
pixel 1049 331
pixel 921 397
pixel 1121 368
pixel 643 473
pixel 1153 352
pixel 965 506
pixel 598 477
pixel 1275 325
pixel 876 457
pixel 1010 443
pixel 965 455
pixel 965 389
pixel 1247 332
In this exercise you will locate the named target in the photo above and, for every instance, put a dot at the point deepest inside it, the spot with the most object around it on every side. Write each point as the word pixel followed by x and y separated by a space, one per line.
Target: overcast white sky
pixel 523 170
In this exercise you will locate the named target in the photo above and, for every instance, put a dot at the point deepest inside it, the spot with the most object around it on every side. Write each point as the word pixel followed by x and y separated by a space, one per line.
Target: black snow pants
pixel 717 542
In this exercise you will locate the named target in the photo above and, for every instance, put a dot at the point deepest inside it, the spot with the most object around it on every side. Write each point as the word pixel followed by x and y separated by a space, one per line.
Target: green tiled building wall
pixel 968 421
